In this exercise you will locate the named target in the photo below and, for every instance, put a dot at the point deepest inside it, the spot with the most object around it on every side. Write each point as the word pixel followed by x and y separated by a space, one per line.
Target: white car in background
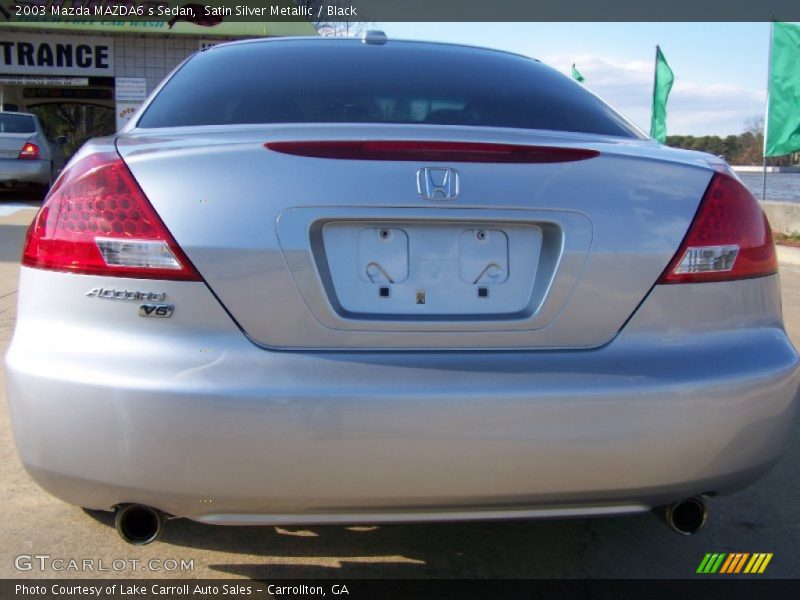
pixel 27 158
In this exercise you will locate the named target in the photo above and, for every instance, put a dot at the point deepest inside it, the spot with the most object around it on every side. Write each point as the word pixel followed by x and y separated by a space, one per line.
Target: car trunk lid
pixel 353 252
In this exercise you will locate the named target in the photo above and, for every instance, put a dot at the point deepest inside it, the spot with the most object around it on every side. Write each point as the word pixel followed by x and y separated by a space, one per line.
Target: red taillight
pixel 432 151
pixel 729 238
pixel 29 152
pixel 96 220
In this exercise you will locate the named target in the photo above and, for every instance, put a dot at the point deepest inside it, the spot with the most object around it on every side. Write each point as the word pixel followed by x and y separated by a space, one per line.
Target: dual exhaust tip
pixel 140 525
pixel 687 516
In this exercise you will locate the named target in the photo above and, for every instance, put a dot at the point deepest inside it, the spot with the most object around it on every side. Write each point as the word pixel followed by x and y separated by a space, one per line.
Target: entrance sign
pixel 27 54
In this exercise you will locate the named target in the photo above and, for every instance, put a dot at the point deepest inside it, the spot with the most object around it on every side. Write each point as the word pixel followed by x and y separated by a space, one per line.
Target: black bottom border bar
pixel 711 588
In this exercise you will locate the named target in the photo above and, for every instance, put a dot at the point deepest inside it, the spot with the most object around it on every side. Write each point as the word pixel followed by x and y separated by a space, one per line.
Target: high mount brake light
pixel 432 151
pixel 97 220
pixel 728 239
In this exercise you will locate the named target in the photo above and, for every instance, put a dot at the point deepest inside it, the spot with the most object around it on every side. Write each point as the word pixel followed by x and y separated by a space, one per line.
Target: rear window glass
pixel 344 81
pixel 16 124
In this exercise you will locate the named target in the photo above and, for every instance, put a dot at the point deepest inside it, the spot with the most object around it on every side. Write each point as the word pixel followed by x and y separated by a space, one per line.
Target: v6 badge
pixel 163 311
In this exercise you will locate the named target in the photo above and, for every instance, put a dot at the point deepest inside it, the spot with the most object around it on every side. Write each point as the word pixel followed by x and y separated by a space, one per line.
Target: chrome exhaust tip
pixel 687 516
pixel 138 524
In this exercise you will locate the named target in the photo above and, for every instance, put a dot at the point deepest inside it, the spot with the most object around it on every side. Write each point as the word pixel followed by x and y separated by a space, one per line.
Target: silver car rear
pixel 26 156
pixel 380 305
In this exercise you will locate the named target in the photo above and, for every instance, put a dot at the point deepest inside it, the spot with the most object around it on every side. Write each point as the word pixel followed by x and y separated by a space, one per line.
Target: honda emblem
pixel 437 183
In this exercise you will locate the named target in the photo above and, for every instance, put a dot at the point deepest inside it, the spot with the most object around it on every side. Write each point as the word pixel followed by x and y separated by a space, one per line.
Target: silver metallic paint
pixel 677 390
pixel 696 394
pixel 637 198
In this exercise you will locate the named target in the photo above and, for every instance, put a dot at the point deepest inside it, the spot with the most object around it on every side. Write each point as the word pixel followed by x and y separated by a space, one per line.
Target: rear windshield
pixel 346 81
pixel 16 123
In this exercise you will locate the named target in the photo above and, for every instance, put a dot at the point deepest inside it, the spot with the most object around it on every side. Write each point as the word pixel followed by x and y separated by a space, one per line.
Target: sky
pixel 720 68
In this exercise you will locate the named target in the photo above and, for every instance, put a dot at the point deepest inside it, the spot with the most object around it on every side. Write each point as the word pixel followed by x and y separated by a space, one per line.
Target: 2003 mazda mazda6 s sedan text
pixel 340 280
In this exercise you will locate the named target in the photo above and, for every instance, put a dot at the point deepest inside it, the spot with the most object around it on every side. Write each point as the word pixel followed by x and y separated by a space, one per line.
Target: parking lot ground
pixel 762 518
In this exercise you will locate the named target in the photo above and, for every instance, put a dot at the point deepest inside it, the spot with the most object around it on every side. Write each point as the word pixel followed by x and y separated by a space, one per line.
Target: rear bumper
pixel 199 422
pixel 14 171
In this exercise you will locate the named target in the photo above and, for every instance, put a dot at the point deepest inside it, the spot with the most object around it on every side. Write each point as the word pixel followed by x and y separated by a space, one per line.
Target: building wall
pixel 55 80
pixel 151 56
pixel 148 56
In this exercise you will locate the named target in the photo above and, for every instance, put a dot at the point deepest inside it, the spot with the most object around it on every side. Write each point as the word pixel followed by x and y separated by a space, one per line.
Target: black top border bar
pixel 209 12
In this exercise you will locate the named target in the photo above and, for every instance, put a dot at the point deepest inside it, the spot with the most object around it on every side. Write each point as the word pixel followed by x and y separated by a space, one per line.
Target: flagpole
pixel 766 116
pixel 653 100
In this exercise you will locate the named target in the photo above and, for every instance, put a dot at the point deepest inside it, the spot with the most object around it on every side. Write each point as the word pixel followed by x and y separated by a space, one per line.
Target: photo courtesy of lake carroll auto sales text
pixel 368 299
pixel 178 590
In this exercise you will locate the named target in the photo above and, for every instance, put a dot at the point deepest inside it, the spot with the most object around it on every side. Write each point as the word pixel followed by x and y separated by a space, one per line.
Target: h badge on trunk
pixel 437 183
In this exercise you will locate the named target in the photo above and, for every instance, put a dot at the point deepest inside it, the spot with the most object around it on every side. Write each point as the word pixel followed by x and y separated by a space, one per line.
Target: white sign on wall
pixel 130 93
pixel 29 54
pixel 130 88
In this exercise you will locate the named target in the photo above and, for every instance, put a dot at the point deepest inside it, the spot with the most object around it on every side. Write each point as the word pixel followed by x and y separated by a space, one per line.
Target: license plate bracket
pixel 426 270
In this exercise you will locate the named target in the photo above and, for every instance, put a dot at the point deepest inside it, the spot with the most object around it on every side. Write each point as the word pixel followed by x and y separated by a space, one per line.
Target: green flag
pixel 661 88
pixel 576 75
pixel 783 108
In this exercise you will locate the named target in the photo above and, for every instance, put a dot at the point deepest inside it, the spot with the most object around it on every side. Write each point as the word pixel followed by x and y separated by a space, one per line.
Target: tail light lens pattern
pixel 729 238
pixel 97 220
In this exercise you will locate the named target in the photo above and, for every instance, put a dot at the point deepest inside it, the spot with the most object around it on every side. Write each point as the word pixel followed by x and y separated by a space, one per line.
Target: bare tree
pixel 756 128
pixel 752 142
pixel 755 125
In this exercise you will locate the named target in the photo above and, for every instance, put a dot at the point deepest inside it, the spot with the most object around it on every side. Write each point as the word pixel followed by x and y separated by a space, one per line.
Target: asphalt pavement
pixel 762 518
